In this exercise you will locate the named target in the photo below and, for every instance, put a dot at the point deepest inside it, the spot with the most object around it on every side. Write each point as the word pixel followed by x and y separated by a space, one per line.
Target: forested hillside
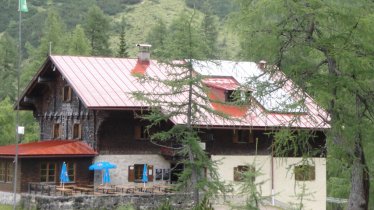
pixel 326 47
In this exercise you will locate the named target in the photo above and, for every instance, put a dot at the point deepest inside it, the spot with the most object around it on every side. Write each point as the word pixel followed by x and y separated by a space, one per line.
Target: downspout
pixel 272 175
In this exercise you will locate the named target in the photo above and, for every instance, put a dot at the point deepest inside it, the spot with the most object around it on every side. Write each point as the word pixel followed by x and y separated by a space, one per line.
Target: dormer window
pixel 238 96
pixel 229 96
pixel 66 94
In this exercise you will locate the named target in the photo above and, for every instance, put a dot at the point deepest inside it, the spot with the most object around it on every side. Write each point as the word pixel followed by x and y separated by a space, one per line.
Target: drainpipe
pixel 272 176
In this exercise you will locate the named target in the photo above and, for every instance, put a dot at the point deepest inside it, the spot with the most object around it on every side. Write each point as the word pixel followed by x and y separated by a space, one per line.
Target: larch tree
pixel 183 96
pixel 158 37
pixel 97 28
pixel 8 62
pixel 327 48
pixel 78 44
pixel 209 31
pixel 123 48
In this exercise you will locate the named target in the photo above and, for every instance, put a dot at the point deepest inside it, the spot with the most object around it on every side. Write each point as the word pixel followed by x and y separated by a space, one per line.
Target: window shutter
pixel 235 136
pixel 236 174
pixel 137 132
pixel 131 175
pixel 150 173
pixel 251 139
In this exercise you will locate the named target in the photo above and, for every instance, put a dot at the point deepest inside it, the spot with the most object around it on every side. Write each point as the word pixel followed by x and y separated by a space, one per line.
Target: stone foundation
pixel 7 198
pixel 179 201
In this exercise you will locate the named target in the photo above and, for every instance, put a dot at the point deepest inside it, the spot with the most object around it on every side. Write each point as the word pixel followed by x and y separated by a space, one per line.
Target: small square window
pixel 240 173
pixel 77 131
pixel 66 94
pixel 243 136
pixel 305 173
pixel 56 131
pixel 141 132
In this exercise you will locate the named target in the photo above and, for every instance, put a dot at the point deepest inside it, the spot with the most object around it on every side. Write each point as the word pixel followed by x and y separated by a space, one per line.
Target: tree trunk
pixel 359 195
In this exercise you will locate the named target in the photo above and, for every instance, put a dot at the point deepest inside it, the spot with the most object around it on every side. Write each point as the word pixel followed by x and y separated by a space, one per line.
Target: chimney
pixel 144 52
pixel 262 64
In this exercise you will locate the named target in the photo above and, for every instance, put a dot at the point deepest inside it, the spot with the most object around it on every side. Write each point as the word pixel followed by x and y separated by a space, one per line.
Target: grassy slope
pixel 142 17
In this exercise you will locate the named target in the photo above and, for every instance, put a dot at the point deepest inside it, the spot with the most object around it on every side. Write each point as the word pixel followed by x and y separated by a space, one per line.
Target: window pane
pixel 71 171
pixel 10 172
pixel 304 173
pixel 2 171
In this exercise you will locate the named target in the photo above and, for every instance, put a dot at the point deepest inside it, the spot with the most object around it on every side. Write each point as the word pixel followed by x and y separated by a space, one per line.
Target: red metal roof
pixel 108 83
pixel 49 148
pixel 225 83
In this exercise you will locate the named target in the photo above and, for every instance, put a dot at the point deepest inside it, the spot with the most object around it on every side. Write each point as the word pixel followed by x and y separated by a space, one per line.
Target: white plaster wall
pixel 262 164
pixel 285 186
pixel 120 174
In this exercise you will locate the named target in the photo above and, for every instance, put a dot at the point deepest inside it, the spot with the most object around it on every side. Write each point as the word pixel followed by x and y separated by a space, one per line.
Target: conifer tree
pixel 322 42
pixel 97 30
pixel 158 37
pixel 209 33
pixel 8 63
pixel 181 83
pixel 78 42
pixel 123 49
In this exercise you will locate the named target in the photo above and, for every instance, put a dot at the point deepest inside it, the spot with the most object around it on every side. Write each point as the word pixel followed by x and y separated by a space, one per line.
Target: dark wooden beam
pixel 44 79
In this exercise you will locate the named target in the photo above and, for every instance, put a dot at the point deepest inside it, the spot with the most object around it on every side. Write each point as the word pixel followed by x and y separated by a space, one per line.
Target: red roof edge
pixel 49 148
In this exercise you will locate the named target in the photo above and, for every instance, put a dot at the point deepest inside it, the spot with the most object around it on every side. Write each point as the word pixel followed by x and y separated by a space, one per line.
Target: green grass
pixel 6 207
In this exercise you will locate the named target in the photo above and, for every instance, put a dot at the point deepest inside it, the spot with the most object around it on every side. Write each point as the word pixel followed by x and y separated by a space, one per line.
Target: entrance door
pixel 176 169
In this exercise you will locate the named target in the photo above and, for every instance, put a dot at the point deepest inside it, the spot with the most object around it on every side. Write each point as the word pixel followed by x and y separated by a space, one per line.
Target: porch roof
pixel 49 148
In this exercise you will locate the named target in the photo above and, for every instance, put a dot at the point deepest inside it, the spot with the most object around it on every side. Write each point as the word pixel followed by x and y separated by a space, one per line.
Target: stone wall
pixel 179 201
pixel 7 198
pixel 120 174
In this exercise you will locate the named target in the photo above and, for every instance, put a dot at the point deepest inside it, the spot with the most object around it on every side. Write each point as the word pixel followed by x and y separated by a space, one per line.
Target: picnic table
pixel 107 189
pixel 125 189
pixel 164 188
pixel 86 190
pixel 64 191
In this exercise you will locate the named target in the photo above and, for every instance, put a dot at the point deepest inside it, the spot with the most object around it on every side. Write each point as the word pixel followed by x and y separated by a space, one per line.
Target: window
pixel 9 172
pixel 77 131
pixel 6 171
pixel 136 173
pixel 243 136
pixel 66 94
pixel 2 171
pixel 239 96
pixel 141 132
pixel 305 173
pixel 56 131
pixel 71 171
pixel 229 96
pixel 240 173
pixel 48 172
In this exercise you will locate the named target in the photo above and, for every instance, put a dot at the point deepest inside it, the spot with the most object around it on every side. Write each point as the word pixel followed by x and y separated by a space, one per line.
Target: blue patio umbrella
pixel 145 174
pixel 104 167
pixel 64 177
pixel 106 176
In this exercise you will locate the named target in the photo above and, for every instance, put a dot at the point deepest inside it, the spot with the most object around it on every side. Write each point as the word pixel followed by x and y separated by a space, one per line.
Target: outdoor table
pixel 126 189
pixel 165 188
pixel 107 189
pixel 86 190
pixel 148 189
pixel 65 191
